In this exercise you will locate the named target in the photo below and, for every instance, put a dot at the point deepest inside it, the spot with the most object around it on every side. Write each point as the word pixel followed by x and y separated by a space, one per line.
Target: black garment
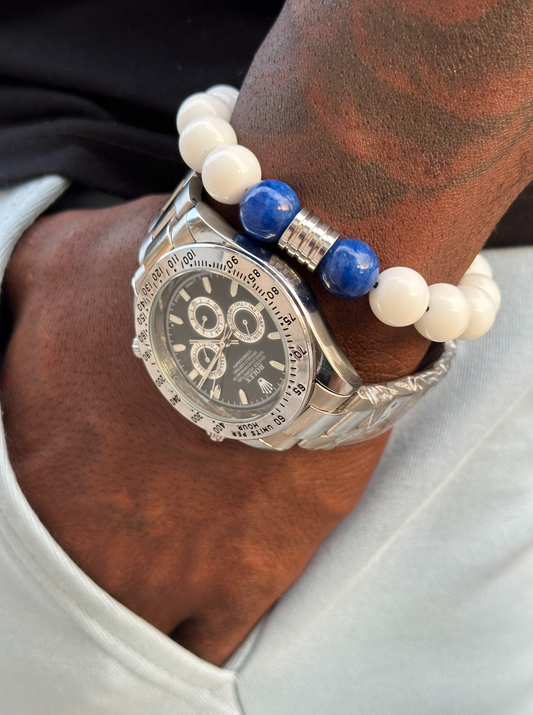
pixel 89 88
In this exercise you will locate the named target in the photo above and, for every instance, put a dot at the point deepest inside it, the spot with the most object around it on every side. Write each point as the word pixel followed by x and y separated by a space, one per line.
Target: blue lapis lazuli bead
pixel 349 269
pixel 267 208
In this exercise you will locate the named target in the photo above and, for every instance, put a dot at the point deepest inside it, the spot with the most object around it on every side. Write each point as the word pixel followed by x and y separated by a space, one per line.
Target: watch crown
pixel 135 348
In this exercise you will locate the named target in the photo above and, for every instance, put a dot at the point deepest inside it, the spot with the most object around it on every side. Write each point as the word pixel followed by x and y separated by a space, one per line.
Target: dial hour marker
pixel 274 336
pixel 175 319
pixel 178 348
pixel 186 297
pixel 193 374
pixel 234 288
pixel 278 365
pixel 259 307
pixel 242 397
pixel 215 392
pixel 207 284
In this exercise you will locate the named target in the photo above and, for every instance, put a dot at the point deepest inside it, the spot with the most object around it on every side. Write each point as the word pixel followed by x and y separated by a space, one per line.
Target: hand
pixel 199 539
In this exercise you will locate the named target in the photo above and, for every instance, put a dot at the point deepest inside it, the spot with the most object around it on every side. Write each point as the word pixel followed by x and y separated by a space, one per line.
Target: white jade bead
pixel 486 284
pixel 201 105
pixel 400 297
pixel 226 93
pixel 228 172
pixel 483 312
pixel 448 315
pixel 202 136
pixel 480 265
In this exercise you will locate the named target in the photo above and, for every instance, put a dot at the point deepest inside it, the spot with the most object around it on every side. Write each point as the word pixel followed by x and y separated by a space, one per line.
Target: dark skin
pixel 406 124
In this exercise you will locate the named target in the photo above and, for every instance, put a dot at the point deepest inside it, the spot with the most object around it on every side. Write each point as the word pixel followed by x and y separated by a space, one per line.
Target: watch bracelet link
pixel 370 411
pixel 330 419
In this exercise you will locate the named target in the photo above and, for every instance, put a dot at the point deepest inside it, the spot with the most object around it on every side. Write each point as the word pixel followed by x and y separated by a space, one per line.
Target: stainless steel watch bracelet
pixel 370 411
pixel 330 419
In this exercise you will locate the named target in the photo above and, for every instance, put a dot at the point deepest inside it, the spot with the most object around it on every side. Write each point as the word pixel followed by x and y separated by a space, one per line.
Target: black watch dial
pixel 226 343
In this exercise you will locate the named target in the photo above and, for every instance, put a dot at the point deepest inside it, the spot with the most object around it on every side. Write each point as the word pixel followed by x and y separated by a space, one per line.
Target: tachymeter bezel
pixel 244 268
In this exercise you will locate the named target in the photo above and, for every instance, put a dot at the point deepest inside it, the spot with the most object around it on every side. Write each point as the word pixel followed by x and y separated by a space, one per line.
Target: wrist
pixel 378 352
pixel 399 185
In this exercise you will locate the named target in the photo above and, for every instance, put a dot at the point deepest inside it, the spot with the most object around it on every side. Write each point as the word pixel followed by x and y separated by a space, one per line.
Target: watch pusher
pixel 136 348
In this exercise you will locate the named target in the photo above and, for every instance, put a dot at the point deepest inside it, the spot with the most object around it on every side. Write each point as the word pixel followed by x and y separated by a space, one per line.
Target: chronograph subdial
pixel 206 317
pixel 202 356
pixel 246 321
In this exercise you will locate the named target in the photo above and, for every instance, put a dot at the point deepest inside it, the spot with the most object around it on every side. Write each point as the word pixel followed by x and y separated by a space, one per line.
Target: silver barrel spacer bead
pixel 308 238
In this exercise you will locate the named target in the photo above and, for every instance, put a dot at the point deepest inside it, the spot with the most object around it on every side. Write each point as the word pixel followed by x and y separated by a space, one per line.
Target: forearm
pixel 405 124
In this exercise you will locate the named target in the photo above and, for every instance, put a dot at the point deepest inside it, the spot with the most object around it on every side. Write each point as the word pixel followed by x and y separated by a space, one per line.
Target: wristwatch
pixel 234 339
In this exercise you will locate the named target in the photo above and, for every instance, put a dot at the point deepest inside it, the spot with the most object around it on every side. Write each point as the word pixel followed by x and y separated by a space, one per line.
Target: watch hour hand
pixel 221 347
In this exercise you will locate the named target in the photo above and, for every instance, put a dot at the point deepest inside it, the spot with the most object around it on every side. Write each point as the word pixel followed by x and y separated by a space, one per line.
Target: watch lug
pixel 181 233
pixel 179 188
pixel 159 246
pixel 189 195
pixel 186 195
pixel 205 224
pixel 335 372
pixel 325 400
pixel 154 252
pixel 201 224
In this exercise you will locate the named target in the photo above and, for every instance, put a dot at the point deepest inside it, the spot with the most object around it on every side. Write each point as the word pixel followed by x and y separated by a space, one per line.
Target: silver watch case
pixel 324 403
pixel 201 239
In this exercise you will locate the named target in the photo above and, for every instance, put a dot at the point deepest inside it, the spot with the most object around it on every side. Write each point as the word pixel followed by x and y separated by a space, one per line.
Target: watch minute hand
pixel 216 358
pixel 207 341
pixel 212 365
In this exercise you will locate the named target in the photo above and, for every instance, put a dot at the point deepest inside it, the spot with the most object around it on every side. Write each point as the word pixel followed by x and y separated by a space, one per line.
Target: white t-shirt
pixel 419 603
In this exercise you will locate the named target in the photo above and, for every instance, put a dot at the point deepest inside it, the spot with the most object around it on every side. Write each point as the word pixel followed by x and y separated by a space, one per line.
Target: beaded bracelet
pixel 347 267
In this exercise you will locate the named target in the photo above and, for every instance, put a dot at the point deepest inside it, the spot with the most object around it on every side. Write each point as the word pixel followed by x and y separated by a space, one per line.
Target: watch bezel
pixel 240 264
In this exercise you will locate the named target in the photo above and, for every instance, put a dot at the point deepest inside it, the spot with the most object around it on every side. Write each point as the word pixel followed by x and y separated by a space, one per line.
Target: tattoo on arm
pixel 406 123
pixel 408 96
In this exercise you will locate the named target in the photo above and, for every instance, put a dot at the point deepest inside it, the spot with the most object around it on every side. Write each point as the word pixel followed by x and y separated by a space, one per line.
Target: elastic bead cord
pixel 270 211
